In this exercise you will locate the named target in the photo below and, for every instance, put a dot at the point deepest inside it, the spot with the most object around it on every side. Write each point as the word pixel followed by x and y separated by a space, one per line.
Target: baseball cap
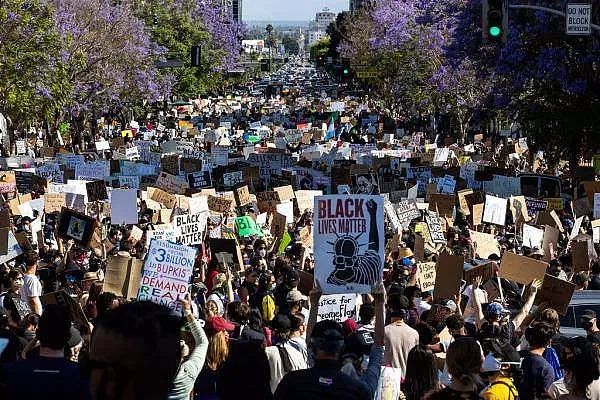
pixel 281 323
pixel 295 296
pixel 218 324
pixel 588 315
pixel 328 329
pixel 450 304
pixel 292 275
pixel 496 308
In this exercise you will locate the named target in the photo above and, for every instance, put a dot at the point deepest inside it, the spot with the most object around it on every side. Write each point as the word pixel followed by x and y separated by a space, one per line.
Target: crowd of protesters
pixel 251 329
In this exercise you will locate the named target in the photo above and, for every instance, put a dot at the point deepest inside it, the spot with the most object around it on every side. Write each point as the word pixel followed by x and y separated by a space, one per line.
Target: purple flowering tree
pixel 33 84
pixel 109 56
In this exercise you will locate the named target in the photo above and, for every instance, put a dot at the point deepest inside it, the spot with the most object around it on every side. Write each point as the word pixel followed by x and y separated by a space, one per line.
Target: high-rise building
pixel 237 10
pixel 356 4
pixel 317 29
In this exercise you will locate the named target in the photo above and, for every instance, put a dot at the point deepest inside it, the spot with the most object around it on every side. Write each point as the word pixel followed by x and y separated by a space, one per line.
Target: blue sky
pixel 288 10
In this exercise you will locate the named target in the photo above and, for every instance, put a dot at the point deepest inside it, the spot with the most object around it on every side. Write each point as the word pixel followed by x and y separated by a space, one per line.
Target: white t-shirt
pixel 31 288
pixel 297 360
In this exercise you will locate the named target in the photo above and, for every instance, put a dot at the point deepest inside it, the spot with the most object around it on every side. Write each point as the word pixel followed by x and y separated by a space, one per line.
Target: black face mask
pixel 587 325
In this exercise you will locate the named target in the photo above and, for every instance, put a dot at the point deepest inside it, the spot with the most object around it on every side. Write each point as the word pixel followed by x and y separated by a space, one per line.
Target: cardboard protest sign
pixel 171 183
pixel 96 191
pixel 551 235
pixel 278 225
pixel 305 199
pixel 427 275
pixel 8 183
pixel 76 314
pixel 532 237
pixel 449 273
pixel 348 243
pixel 123 276
pixel 436 229
pixel 581 207
pixel 477 214
pixel 419 252
pixel 485 244
pixel 54 202
pixel 462 200
pixel 486 271
pixel 242 195
pixel 219 204
pixel 285 193
pixel 123 207
pixel 580 253
pixel 189 228
pixel 443 204
pixel 337 307
pixel 267 201
pixel 76 226
pixel 166 274
pixel 521 269
pixel 495 210
pixel 226 251
pixel 555 293
pixel 160 196
pixel 576 228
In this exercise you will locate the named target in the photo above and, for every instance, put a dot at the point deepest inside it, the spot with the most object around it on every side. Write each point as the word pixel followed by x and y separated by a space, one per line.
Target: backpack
pixel 511 393
pixel 285 360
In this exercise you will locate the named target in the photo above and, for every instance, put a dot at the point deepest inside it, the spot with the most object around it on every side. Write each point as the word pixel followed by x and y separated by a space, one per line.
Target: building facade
pixel 317 29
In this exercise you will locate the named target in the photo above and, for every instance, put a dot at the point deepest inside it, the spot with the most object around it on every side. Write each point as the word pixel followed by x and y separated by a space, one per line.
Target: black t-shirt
pixel 323 382
pixel 594 282
pixel 594 337
pixel 537 376
pixel 44 378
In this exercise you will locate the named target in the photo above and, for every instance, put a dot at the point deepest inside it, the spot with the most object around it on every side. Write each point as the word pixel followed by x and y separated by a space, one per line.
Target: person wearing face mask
pixel 590 324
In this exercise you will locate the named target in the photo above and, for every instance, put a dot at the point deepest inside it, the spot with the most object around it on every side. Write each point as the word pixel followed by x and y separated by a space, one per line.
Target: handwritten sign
pixel 337 307
pixel 189 228
pixel 166 273
pixel 427 275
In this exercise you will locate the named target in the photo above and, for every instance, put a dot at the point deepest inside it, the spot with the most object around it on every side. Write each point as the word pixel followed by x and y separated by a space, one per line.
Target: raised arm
pixel 373 229
pixel 520 317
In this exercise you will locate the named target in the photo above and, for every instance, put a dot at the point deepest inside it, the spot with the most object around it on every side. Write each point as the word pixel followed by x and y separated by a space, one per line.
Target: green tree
pixel 291 45
pixel 33 83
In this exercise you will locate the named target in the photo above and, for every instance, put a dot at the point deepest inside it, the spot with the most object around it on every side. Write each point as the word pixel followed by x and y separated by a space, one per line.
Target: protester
pixel 421 374
pixel 50 375
pixel 399 337
pixel 537 373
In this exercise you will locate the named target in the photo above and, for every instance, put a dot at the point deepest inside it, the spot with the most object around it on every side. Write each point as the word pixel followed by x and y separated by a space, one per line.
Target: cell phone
pixel 3 345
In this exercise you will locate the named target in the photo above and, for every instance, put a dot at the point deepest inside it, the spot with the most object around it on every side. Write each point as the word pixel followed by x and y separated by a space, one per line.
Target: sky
pixel 288 10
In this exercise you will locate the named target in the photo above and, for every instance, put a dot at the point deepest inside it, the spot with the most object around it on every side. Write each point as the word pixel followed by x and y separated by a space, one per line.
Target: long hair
pixel 95 290
pixel 463 359
pixel 218 350
pixel 421 373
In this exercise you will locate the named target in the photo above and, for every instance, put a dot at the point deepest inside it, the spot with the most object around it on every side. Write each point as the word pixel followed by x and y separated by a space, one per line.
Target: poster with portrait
pixel 348 239
pixel 365 184
pixel 76 226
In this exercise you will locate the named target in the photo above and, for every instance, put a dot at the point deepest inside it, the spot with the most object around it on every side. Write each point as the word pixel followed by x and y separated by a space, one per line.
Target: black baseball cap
pixel 588 315
pixel 328 329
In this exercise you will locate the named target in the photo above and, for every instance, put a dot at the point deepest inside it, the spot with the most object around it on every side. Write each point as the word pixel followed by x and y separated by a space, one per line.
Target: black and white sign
pixel 578 19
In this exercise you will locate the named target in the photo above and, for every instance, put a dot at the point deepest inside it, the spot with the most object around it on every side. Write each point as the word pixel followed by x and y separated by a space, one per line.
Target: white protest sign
pixel 337 307
pixel 161 232
pixel 123 206
pixel 576 228
pixel 166 274
pixel 427 274
pixel 20 147
pixel 441 156
pixel 102 145
pixel 596 205
pixel 13 249
pixel 436 230
pixel 578 19
pixel 231 179
pixel 189 228
pixel 392 216
pixel 532 236
pixel 407 210
pixel 198 204
pixel 220 155
pixel 348 243
pixel 495 210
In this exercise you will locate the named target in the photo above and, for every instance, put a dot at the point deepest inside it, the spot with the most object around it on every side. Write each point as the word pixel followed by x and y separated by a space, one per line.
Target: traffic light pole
pixel 548 10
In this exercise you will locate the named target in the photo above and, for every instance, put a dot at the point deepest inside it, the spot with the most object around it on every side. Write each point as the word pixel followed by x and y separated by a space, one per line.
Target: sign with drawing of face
pixel 76 228
pixel 348 243
pixel 365 184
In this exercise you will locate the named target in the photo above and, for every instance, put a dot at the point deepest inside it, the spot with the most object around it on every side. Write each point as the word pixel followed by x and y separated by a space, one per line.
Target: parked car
pixel 570 323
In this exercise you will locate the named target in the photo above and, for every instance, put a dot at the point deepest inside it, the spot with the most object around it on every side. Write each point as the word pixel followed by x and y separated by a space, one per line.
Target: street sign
pixel 578 19
pixel 366 74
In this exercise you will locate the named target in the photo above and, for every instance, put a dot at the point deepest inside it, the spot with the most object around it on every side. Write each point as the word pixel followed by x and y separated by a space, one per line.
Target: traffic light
pixel 265 65
pixel 196 53
pixel 495 21
pixel 346 72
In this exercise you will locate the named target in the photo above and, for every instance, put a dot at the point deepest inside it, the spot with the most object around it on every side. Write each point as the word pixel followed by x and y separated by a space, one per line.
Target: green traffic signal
pixel 495 31
pixel 346 72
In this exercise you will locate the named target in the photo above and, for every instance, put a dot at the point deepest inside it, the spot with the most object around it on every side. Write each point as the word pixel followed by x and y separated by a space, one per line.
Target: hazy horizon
pixel 288 10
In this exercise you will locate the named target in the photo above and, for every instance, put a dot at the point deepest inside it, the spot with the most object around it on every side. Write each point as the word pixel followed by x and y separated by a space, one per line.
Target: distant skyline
pixel 288 10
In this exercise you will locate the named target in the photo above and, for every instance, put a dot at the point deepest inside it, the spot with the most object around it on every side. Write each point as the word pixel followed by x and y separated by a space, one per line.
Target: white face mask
pixel 262 253
pixel 417 301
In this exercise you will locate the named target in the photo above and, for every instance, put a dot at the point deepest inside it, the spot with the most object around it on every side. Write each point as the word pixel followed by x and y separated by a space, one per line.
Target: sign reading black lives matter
pixel 348 243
